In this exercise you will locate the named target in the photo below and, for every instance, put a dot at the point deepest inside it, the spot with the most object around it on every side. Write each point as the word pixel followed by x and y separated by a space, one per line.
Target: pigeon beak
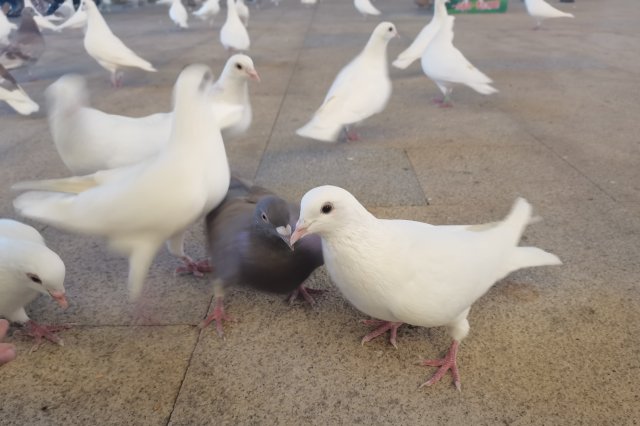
pixel 253 74
pixel 285 234
pixel 299 233
pixel 60 297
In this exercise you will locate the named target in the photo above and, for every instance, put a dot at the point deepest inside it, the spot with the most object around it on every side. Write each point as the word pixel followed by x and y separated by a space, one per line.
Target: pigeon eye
pixel 238 66
pixel 264 217
pixel 326 208
pixel 390 29
pixel 36 279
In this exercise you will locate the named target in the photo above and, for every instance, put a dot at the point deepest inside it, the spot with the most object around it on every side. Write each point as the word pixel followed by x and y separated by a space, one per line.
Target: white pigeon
pixel 540 10
pixel 233 34
pixel 14 95
pixel 365 7
pixel 89 140
pixel 401 271
pixel 66 9
pixel 136 208
pixel 308 2
pixel 243 12
pixel 230 95
pixel 45 24
pixel 78 20
pixel 446 65
pixel 361 89
pixel 5 28
pixel 208 10
pixel 178 14
pixel 28 268
pixel 424 37
pixel 107 49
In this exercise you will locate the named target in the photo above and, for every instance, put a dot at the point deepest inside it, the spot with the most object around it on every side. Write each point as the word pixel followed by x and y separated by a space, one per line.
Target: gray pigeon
pixel 26 45
pixel 248 236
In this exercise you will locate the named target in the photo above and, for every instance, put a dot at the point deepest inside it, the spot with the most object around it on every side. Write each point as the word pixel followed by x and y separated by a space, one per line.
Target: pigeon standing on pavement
pixel 178 14
pixel 361 89
pixel 233 34
pixel 401 271
pixel 248 236
pixel 28 268
pixel 107 49
pixel 25 45
pixel 139 207
pixel 541 10
pixel 365 8
pixel 14 95
pixel 424 37
pixel 446 66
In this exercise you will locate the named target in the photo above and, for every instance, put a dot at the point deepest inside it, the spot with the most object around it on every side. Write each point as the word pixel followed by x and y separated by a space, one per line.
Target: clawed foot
pixel 447 363
pixel 383 327
pixel 218 315
pixel 42 332
pixel 352 136
pixel 198 269
pixel 305 293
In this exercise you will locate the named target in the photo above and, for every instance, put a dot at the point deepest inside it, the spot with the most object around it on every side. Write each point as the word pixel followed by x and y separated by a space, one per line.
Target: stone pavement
pixel 552 345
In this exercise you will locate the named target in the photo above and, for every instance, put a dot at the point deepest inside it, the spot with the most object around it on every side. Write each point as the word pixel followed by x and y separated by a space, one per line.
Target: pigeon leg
pixel 196 268
pixel 43 332
pixel 305 293
pixel 383 327
pixel 446 102
pixel 352 135
pixel 218 315
pixel 445 364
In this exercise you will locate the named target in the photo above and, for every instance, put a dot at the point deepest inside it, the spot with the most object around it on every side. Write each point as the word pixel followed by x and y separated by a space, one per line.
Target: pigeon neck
pixel 231 8
pixel 376 48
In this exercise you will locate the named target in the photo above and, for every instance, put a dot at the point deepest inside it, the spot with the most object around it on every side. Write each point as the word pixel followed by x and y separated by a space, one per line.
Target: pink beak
pixel 254 75
pixel 60 297
pixel 298 234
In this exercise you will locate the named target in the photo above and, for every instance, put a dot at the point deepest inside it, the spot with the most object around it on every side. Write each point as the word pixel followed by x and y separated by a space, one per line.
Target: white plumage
pixel 360 90
pixel 45 24
pixel 365 7
pixel 107 49
pixel 5 28
pixel 178 14
pixel 243 12
pixel 446 65
pixel 233 34
pixel 136 208
pixel 208 10
pixel 14 95
pixel 401 271
pixel 424 37
pixel 540 10
pixel 28 268
pixel 76 21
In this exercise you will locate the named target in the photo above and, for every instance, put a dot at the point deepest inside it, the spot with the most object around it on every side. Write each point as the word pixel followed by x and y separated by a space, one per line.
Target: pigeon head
pixel 37 267
pixel 67 94
pixel 240 67
pixel 326 211
pixel 272 218
pixel 385 31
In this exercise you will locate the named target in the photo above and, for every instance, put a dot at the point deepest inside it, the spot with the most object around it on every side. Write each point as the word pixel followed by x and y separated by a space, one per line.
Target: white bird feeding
pixel 541 10
pixel 233 34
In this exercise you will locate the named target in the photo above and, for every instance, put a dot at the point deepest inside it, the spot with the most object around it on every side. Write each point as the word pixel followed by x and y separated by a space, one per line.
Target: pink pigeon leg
pixel 384 326
pixel 352 135
pixel 198 269
pixel 445 364
pixel 43 332
pixel 305 293
pixel 218 315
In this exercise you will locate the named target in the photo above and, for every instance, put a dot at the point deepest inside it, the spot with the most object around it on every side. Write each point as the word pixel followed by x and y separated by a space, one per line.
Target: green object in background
pixel 477 6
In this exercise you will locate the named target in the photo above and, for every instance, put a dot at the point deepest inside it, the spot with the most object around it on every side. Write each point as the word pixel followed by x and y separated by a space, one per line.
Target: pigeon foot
pixel 43 332
pixel 383 327
pixel 445 364
pixel 198 269
pixel 305 293
pixel 218 315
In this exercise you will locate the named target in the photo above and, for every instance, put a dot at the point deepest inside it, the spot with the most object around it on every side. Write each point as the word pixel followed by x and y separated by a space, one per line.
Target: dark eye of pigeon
pixel 326 208
pixel 264 217
pixel 390 29
pixel 36 279
pixel 239 66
